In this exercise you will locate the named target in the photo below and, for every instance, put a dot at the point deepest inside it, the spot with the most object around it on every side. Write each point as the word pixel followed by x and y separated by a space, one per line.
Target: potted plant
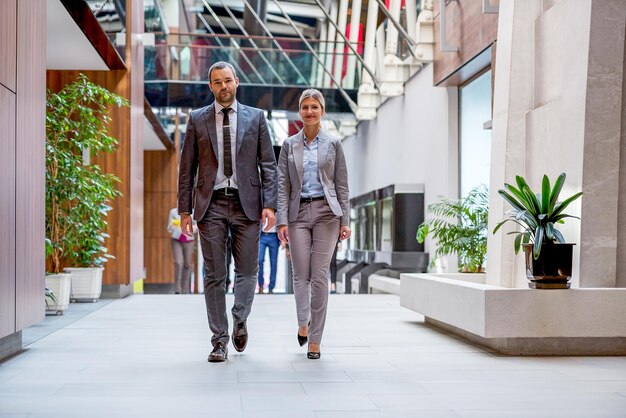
pixel 460 227
pixel 77 192
pixel 57 287
pixel 548 256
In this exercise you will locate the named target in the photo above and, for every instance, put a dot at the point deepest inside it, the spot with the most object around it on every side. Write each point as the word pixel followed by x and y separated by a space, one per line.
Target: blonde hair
pixel 313 94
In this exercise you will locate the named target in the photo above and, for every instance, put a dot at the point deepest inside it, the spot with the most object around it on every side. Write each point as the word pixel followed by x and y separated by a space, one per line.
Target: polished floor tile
pixel 145 356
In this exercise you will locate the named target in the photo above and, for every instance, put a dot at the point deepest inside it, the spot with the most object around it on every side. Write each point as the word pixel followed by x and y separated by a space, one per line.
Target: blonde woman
pixel 313 212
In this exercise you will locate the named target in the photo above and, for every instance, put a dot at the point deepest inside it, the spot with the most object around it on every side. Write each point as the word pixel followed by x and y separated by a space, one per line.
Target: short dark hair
pixel 220 65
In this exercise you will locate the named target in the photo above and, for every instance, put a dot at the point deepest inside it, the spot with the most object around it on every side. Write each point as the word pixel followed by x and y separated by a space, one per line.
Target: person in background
pixel 333 269
pixel 182 250
pixel 313 213
pixel 269 241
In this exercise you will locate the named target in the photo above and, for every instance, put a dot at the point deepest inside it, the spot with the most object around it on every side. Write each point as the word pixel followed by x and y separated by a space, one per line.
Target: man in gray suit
pixel 229 148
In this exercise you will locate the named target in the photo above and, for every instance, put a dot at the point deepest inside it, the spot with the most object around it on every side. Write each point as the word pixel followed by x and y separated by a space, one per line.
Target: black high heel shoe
pixel 302 339
pixel 313 355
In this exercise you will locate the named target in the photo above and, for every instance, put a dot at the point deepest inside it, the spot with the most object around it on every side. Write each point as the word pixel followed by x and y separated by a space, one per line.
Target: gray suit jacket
pixel 333 176
pixel 256 164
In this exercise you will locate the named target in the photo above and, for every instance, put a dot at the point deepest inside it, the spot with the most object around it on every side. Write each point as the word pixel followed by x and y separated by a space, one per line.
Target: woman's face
pixel 311 111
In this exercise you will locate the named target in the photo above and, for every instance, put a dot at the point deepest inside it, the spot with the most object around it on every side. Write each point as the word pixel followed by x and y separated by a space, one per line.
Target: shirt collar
pixel 316 139
pixel 219 107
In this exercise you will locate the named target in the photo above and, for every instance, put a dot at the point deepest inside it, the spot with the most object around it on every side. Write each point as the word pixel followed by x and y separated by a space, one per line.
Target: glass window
pixel 386 234
pixel 474 134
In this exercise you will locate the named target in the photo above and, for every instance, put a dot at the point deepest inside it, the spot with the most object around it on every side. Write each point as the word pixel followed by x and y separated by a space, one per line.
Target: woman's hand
pixel 283 234
pixel 345 232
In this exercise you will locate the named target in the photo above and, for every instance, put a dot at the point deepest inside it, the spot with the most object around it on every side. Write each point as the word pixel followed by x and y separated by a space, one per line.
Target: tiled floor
pixel 145 356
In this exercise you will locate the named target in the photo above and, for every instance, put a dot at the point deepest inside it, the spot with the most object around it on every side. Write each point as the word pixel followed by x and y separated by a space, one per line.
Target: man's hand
pixel 345 233
pixel 283 234
pixel 268 219
pixel 186 224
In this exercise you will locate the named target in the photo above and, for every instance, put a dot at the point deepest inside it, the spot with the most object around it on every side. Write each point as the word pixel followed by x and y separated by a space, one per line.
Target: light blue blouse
pixel 311 184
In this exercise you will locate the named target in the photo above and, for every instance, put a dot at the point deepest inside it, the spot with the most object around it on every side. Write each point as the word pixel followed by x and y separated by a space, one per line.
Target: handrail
pixel 267 30
pixel 206 24
pixel 243 48
pixel 398 26
pixel 358 56
pixel 219 22
pixel 237 36
pixel 245 32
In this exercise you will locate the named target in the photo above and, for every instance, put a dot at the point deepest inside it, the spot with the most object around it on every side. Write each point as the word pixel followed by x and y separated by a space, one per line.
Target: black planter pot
pixel 553 268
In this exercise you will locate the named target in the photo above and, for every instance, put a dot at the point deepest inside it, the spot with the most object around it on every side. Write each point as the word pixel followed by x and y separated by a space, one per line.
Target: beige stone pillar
pixel 600 228
pixel 512 99
pixel 558 108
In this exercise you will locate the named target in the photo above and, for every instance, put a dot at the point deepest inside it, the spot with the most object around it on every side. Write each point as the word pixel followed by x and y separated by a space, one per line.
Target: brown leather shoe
pixel 219 353
pixel 240 336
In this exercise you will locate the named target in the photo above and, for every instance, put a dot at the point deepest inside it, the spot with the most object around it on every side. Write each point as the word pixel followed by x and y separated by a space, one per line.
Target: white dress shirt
pixel 221 180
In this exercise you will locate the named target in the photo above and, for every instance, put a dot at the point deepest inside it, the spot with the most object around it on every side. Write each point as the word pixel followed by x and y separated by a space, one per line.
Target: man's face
pixel 223 84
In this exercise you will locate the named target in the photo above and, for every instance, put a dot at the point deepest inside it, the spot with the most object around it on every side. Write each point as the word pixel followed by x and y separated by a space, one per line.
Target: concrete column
pixel 558 108
pixel 602 168
pixel 512 98
pixel 330 45
pixel 321 50
pixel 342 18
pixel 391 46
pixel 353 37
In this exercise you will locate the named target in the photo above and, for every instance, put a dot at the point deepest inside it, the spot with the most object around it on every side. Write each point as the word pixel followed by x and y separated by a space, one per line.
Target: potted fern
pixel 460 228
pixel 548 257
pixel 78 193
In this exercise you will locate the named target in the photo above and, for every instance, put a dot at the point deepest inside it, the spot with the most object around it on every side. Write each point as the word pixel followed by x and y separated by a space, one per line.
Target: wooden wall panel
pixel 8 43
pixel 30 162
pixel 468 28
pixel 7 212
pixel 159 198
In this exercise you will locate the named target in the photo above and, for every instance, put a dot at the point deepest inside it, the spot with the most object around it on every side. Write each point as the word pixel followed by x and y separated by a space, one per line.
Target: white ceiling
pixel 67 48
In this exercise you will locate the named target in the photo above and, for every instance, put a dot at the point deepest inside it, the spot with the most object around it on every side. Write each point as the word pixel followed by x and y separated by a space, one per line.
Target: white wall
pixel 414 139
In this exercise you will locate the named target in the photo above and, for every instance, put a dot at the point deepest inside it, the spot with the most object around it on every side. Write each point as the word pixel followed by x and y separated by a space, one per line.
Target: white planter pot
pixel 60 285
pixel 86 283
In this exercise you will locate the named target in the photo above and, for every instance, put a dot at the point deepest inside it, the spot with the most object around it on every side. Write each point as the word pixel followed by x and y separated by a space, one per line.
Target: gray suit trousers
pixel 225 215
pixel 183 262
pixel 312 240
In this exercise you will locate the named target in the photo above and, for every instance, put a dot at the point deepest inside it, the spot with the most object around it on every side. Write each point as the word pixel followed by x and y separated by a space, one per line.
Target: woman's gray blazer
pixel 333 176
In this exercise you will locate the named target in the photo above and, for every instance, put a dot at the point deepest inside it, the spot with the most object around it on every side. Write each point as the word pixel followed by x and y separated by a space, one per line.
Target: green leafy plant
pixel 460 228
pixel 78 195
pixel 536 213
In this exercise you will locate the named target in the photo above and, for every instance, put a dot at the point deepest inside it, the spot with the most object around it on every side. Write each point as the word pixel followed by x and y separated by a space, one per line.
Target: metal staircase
pixel 282 52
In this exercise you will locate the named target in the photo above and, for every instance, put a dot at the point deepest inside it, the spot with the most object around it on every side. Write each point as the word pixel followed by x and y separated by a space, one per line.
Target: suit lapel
pixel 242 121
pixel 297 148
pixel 211 128
pixel 322 150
